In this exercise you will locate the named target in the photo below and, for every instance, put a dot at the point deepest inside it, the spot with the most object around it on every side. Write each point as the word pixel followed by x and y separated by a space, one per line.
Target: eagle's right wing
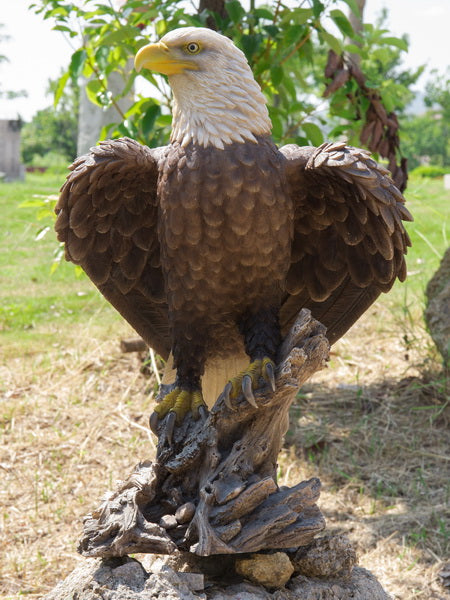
pixel 107 218
pixel 349 239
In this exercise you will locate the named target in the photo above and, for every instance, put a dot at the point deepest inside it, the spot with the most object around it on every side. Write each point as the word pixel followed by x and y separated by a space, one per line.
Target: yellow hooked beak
pixel 158 57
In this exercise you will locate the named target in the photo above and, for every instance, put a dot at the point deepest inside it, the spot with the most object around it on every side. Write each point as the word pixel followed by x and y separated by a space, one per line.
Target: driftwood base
pixel 213 490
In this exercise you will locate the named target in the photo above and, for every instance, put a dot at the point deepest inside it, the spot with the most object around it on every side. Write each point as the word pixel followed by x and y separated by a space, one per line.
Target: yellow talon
pixel 182 405
pixel 236 382
pixel 166 403
pixel 180 402
pixel 197 402
pixel 264 368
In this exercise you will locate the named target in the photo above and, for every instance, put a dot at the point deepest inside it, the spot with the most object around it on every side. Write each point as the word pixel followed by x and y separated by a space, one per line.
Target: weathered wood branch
pixel 213 489
pixel 133 345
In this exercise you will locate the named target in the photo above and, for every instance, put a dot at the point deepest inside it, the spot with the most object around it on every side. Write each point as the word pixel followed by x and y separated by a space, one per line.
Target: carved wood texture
pixel 214 490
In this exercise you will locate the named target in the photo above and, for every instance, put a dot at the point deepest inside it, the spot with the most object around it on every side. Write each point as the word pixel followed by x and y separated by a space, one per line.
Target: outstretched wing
pixel 349 240
pixel 107 217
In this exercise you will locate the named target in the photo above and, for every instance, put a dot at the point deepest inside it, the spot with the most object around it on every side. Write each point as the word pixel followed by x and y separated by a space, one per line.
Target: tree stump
pixel 437 313
pixel 213 490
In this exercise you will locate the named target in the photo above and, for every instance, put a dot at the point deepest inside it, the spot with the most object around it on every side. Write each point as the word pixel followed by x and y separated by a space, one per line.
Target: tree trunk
pixel 357 25
pixel 217 6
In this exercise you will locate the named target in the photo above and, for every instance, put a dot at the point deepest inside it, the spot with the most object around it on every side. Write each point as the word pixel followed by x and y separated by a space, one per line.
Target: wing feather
pixel 349 238
pixel 107 219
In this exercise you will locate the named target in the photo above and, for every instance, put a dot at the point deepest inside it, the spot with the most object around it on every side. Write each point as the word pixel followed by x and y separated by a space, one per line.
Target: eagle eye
pixel 193 48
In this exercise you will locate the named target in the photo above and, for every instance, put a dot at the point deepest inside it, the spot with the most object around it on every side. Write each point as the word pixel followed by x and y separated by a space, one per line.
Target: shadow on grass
pixel 382 453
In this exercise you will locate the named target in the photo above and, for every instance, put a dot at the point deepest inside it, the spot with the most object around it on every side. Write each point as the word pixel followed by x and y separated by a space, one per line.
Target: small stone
pixel 331 556
pixel 168 522
pixel 194 581
pixel 185 512
pixel 153 563
pixel 444 575
pixel 270 570
pixel 130 574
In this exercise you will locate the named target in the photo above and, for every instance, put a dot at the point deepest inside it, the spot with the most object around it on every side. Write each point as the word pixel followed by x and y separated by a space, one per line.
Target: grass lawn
pixel 38 307
pixel 374 426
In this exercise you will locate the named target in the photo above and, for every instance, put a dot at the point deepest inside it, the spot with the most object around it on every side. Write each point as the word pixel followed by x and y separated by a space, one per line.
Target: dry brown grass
pixel 374 427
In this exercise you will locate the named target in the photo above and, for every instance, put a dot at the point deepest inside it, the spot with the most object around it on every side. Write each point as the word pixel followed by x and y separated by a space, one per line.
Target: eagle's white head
pixel 216 98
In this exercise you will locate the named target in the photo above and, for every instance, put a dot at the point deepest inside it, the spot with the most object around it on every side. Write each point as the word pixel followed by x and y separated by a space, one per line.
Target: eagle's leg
pixel 185 394
pixel 262 337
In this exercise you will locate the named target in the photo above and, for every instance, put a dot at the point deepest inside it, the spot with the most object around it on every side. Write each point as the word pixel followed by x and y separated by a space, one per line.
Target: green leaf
pixel 161 27
pixel 261 67
pixel 194 20
pixel 139 107
pixel 217 21
pixel 250 44
pixel 313 133
pixel 93 88
pixel 272 30
pixel 105 131
pixel 289 84
pixel 164 120
pixel 299 107
pixel 118 35
pixel 64 28
pixel 365 103
pixel 60 88
pixel 388 101
pixel 42 233
pixel 381 54
pixel 101 57
pixel 318 8
pixel 354 49
pixel 277 127
pixel 77 63
pixel 298 16
pixel 129 83
pixel 235 10
pixel 353 7
pixel 306 51
pixel 331 41
pixel 57 12
pixel 395 41
pixel 263 13
pixel 126 128
pixel 342 22
pixel 276 74
pixel 293 34
pixel 337 131
pixel 91 15
pixel 149 119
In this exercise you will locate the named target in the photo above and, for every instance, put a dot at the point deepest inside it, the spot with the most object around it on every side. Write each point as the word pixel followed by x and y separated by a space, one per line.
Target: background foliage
pixel 428 134
pixel 286 47
pixel 51 136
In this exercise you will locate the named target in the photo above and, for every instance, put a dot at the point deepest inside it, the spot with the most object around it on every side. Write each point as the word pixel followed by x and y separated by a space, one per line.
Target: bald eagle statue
pixel 210 246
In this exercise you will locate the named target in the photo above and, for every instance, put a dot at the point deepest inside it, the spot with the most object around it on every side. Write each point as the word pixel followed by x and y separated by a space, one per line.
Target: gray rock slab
pixel 126 579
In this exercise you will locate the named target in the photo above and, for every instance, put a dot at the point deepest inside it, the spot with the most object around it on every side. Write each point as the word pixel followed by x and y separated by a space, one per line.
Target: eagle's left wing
pixel 108 221
pixel 349 240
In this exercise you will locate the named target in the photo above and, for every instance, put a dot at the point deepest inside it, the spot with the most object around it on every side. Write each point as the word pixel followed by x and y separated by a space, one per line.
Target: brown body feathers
pixel 187 243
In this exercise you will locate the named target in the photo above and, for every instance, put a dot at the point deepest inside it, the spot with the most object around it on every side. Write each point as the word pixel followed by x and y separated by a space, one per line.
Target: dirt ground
pixel 374 426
